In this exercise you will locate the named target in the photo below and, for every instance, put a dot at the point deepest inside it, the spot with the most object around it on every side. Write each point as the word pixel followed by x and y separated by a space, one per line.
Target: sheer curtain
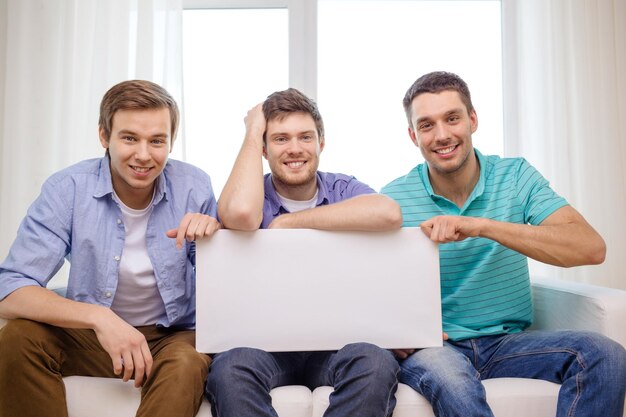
pixel 565 111
pixel 57 59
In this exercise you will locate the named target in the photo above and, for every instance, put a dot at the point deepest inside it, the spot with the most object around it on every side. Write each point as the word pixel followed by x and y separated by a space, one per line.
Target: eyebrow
pixel 446 114
pixel 310 132
pixel 130 132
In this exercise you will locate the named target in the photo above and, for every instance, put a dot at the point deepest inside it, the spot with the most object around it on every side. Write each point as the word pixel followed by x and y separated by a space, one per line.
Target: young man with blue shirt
pixel 129 311
pixel 489 214
pixel 287 130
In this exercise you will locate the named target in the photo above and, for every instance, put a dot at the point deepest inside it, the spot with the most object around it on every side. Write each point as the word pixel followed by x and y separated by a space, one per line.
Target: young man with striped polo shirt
pixel 489 214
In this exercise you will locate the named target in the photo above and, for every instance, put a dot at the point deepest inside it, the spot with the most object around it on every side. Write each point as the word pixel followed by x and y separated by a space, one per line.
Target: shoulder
pixel 336 182
pixel 86 170
pixel 177 171
pixel 409 181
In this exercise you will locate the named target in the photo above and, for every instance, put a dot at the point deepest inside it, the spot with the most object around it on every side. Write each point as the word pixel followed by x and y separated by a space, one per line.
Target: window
pixel 355 57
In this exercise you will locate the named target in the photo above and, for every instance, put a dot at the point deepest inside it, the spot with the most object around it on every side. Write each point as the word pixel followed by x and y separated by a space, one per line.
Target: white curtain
pixel 565 111
pixel 57 59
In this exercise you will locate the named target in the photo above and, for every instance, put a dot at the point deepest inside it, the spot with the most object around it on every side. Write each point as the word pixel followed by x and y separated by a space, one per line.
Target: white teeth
pixel 446 150
pixel 140 169
pixel 295 164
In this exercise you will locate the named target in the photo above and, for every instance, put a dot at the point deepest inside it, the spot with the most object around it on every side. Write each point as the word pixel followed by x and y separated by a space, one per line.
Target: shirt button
pixel 119 221
pixel 117 258
pixel 108 295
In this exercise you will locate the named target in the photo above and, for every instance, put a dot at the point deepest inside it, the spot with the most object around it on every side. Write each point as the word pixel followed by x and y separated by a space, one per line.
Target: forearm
pixel 42 305
pixel 372 212
pixel 240 205
pixel 567 245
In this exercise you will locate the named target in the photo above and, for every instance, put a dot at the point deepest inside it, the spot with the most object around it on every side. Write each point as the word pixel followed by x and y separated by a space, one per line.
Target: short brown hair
pixel 436 82
pixel 281 103
pixel 136 95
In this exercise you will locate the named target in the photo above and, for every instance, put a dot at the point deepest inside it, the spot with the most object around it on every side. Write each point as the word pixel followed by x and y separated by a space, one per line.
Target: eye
pixel 158 141
pixel 280 139
pixel 453 118
pixel 128 138
pixel 424 126
pixel 307 138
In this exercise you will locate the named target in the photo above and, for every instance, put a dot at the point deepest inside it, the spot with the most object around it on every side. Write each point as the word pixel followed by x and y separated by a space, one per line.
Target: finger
pixel 445 336
pixel 140 367
pixel 117 363
pixel 129 366
pixel 147 357
pixel 171 233
pixel 182 230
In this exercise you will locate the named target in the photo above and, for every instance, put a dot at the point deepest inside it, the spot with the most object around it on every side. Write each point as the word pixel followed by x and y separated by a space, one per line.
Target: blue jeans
pixel 590 368
pixel 364 378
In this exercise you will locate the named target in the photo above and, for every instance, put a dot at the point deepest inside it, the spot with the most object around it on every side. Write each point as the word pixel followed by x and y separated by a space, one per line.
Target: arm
pixel 369 212
pixel 241 202
pixel 125 344
pixel 564 238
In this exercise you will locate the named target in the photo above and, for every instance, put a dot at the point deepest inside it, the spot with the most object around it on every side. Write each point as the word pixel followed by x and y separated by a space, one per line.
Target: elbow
pixel 240 218
pixel 392 214
pixel 598 254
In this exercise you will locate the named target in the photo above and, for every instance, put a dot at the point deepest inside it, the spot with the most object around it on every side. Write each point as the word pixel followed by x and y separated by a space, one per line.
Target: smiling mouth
pixel 446 151
pixel 294 165
pixel 140 170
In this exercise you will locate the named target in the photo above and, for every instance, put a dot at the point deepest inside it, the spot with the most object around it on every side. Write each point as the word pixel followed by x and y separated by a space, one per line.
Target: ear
pixel 413 137
pixel 104 141
pixel 264 150
pixel 473 121
pixel 322 143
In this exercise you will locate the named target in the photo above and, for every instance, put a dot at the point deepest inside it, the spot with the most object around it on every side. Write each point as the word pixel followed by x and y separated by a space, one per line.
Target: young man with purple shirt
pixel 287 130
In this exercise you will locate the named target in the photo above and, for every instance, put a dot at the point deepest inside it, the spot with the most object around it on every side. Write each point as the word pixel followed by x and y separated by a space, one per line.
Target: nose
pixel 142 151
pixel 441 131
pixel 294 146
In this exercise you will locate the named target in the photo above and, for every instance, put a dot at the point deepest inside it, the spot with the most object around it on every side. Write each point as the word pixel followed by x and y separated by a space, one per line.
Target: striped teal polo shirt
pixel 485 287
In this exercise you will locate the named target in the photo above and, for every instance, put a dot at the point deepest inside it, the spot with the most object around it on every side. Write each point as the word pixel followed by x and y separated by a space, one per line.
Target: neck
pixel 458 185
pixel 300 192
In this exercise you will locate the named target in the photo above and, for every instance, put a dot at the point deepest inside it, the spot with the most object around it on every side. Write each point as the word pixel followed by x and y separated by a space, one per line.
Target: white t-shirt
pixel 296 205
pixel 137 298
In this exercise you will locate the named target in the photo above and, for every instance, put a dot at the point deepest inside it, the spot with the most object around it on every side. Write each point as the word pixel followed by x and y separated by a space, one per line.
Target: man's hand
pixel 126 346
pixel 405 353
pixel 192 227
pixel 444 229
pixel 255 124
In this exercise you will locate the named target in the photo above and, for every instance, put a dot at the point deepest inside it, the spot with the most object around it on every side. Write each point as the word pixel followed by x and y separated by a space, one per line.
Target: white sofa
pixel 558 305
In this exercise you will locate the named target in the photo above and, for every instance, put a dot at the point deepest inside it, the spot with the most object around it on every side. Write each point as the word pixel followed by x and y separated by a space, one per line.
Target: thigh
pixel 548 355
pixel 70 351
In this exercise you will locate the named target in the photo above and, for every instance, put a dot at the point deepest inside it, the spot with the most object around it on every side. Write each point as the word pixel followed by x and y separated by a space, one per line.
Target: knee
pixel 441 366
pixel 376 363
pixel 20 336
pixel 183 361
pixel 229 368
pixel 608 353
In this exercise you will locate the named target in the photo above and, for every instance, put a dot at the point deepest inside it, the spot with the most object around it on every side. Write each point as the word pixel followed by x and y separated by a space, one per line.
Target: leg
pixel 364 377
pixel 35 357
pixel 176 383
pixel 590 367
pixel 448 380
pixel 241 379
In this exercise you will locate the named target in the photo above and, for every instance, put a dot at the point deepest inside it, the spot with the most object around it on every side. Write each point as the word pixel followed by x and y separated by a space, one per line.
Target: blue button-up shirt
pixel 332 188
pixel 76 218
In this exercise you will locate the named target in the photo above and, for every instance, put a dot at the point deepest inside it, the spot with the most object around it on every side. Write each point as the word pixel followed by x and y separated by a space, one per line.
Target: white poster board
pixel 302 290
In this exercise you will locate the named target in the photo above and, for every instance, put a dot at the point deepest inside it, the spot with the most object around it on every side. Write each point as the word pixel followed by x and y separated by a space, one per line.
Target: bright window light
pixel 370 52
pixel 232 60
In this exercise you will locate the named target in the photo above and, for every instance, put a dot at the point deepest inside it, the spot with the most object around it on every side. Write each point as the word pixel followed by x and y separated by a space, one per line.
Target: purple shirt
pixel 332 189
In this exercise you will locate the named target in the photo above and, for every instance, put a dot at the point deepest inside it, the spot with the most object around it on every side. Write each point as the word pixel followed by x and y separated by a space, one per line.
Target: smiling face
pixel 139 146
pixel 292 149
pixel 442 128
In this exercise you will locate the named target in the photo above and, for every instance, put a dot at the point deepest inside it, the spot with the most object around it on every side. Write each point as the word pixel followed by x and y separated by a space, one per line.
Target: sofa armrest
pixel 564 305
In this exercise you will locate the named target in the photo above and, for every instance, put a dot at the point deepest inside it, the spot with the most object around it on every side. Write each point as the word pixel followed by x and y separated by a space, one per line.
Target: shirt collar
pixel 275 203
pixel 478 188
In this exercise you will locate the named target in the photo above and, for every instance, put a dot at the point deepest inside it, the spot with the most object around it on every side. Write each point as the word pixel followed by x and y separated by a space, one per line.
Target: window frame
pixel 302 36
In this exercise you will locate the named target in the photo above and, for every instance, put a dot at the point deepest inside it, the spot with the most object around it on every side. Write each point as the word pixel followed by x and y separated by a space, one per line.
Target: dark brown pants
pixel 34 357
